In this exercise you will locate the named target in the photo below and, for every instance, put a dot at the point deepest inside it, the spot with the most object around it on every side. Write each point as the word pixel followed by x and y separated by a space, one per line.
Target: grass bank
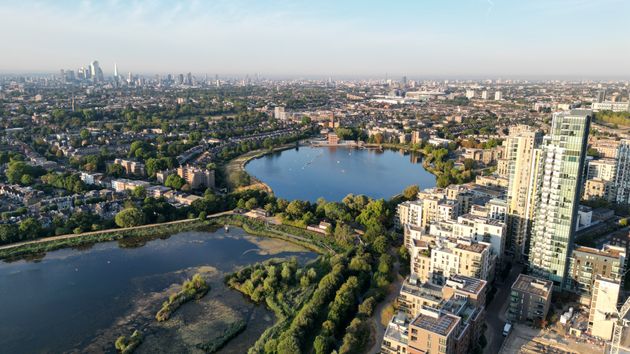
pixel 129 237
pixel 194 288
pixel 236 167
pixel 307 239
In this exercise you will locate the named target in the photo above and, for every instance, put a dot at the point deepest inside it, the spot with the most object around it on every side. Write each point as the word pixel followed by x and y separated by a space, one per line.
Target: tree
pixel 174 181
pixel 139 192
pixel 443 181
pixel 380 245
pixel 296 209
pixel 16 170
pixel 26 180
pixel 289 345
pixel 115 170
pixel 343 234
pixel 251 203
pixel 336 211
pixel 378 138
pixel 30 228
pixel 8 233
pixel 411 192
pixel 85 134
pixel 154 165
pixel 469 164
pixel 129 217
pixel 374 214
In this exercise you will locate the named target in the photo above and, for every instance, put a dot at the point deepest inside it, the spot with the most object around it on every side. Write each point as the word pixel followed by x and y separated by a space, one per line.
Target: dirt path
pixel 377 317
pixel 92 233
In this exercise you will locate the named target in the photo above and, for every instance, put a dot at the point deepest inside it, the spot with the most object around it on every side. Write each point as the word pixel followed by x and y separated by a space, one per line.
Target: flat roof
pixel 442 324
pixel 474 247
pixel 532 285
pixel 607 252
pixel 467 284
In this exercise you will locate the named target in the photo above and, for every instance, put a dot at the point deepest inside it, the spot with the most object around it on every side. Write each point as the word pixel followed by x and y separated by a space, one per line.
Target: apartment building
pixel 604 302
pixel 557 183
pixel 607 148
pixel 597 188
pixel 409 213
pixel 622 174
pixel 123 184
pixel 530 299
pixel 131 167
pixel 196 177
pixel 519 147
pixel 458 257
pixel 602 169
pixel 446 319
pixel 587 264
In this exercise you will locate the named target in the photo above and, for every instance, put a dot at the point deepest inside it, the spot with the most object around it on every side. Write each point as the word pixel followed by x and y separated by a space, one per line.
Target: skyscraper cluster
pixel 468 231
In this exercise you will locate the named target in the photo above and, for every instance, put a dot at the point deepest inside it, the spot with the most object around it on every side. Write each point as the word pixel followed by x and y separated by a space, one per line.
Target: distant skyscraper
pixel 96 73
pixel 601 96
pixel 115 71
pixel 498 96
pixel 470 94
pixel 622 173
pixel 558 184
pixel 484 94
pixel 519 148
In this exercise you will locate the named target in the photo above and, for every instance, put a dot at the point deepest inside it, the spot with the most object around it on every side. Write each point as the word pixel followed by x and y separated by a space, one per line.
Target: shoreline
pixel 41 246
pixel 238 164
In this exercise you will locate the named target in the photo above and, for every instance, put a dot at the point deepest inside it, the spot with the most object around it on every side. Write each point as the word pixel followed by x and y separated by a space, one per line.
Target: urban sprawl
pixel 521 246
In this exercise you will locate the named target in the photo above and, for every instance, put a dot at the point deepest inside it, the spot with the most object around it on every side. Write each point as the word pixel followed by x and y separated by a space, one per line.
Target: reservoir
pixel 81 300
pixel 308 173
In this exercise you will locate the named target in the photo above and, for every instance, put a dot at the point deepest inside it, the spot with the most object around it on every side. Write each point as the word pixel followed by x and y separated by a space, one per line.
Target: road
pixel 91 233
pixel 495 312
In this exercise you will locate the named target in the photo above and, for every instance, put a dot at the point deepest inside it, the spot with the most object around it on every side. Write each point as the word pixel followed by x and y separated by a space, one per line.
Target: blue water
pixel 308 173
pixel 62 301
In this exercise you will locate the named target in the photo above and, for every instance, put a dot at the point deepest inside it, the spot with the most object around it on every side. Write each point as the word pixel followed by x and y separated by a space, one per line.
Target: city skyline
pixel 286 39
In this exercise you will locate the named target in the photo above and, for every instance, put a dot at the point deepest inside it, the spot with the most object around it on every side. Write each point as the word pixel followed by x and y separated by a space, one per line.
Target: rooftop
pixel 467 284
pixel 606 251
pixel 436 322
pixel 536 286
pixel 472 247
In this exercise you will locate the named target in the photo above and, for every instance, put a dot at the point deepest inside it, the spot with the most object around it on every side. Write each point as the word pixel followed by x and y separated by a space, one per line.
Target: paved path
pixel 91 233
pixel 377 319
pixel 495 312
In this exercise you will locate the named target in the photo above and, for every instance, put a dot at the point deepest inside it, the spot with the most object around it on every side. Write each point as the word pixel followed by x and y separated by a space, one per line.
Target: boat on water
pixel 226 227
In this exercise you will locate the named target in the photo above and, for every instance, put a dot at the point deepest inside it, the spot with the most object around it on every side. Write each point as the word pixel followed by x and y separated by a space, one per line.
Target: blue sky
pixel 421 38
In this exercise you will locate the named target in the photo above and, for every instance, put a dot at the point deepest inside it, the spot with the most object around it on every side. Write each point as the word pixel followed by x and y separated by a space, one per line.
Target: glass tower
pixel 557 184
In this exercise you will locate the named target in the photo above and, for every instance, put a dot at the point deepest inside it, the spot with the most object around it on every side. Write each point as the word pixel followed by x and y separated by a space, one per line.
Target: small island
pixel 128 345
pixel 194 288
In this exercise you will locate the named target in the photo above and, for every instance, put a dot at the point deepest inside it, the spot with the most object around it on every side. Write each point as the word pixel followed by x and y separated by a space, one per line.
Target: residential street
pixel 495 312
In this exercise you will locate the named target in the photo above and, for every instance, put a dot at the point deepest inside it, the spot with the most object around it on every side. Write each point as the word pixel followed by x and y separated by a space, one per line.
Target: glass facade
pixel 558 182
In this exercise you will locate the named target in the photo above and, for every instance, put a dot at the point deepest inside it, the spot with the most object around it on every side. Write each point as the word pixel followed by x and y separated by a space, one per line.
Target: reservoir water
pixel 308 173
pixel 82 300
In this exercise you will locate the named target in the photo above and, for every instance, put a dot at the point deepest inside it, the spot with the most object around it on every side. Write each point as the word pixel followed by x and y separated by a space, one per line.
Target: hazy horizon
pixel 479 39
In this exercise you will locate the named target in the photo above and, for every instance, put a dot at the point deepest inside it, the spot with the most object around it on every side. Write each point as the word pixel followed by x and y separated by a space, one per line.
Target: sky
pixel 417 38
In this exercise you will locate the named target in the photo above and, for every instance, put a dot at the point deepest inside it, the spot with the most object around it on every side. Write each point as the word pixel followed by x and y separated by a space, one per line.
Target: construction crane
pixel 619 324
